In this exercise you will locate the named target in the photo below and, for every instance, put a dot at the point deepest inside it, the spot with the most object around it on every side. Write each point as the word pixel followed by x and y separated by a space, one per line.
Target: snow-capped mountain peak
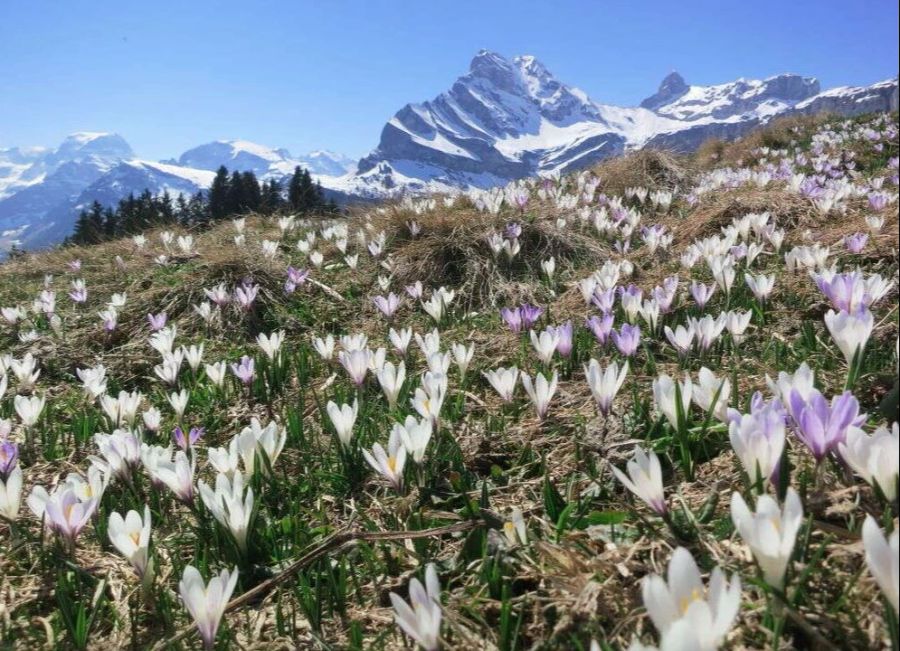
pixel 244 156
pixel 78 146
pixel 743 98
pixel 511 118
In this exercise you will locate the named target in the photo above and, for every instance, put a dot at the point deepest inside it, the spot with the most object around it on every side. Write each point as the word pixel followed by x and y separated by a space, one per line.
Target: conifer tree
pixel 218 195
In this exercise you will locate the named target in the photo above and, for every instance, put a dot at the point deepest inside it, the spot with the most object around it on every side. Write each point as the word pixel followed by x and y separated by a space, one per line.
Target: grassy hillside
pixel 534 541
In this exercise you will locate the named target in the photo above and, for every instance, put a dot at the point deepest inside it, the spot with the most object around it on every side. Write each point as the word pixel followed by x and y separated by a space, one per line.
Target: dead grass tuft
pixel 650 168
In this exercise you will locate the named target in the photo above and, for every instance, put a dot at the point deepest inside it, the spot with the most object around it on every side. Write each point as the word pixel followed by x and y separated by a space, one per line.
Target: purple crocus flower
pixel 522 317
pixel 297 276
pixel 564 346
pixel 632 290
pixel 513 229
pixel 184 441
pixel 604 300
pixel 627 339
pixel 600 327
pixel 9 456
pixel 245 295
pixel 78 295
pixel 157 321
pixel 856 243
pixel 758 437
pixel 387 305
pixel 74 265
pixel 512 317
pixel 415 290
pixel 530 314
pixel 702 293
pixel 244 370
pixel 739 251
pixel 878 201
pixel 849 292
pixel 821 426
pixel 665 295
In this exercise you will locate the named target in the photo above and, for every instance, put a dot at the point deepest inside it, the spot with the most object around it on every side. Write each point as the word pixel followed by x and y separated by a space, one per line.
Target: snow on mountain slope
pixel 511 118
pixel 263 161
pixel 57 177
pixel 853 100
pixel 127 177
pixel 42 190
pixel 738 100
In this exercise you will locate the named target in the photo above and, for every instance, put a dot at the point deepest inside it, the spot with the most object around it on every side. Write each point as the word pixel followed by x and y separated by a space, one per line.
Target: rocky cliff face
pixel 511 118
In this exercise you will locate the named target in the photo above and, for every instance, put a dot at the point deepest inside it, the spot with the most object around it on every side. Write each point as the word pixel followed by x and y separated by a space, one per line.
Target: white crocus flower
pixel 422 620
pixel 389 464
pixel 761 285
pixel 514 529
pixel 540 391
pixel 400 339
pixel 120 452
pixel 216 372
pixel 29 409
pixel 463 357
pixel 549 267
pixel 737 322
pixel 875 458
pixel 415 435
pixel 664 396
pixel 682 339
pixel 429 343
pixel 391 379
pixel 710 612
pixel 504 381
pixel 230 505
pixel 770 532
pixel 708 385
pixel 11 494
pixel 343 418
pixel 194 355
pixel 644 479
pixel 177 474
pixel 271 344
pixel 544 344
pixel 850 332
pixel 883 559
pixel 802 381
pixel 206 603
pixel 131 536
pixel 439 363
pixel 605 383
pixel 324 346
pixel 429 398
pixel 226 460
pixel 179 402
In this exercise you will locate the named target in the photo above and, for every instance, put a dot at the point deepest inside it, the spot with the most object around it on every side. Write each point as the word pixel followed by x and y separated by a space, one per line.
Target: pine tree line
pixel 230 195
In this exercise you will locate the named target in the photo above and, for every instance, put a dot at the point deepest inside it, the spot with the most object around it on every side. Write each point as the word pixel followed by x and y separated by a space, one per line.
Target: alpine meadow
pixel 537 373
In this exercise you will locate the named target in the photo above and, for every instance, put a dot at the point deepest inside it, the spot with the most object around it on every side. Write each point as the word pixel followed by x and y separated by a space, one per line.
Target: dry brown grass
pixel 779 134
pixel 453 251
pixel 650 168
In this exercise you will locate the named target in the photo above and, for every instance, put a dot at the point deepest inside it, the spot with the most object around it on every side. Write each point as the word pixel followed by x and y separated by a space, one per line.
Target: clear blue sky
pixel 305 75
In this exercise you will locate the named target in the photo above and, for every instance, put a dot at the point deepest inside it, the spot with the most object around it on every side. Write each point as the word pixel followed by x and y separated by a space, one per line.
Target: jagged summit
pixel 508 118
pixel 672 87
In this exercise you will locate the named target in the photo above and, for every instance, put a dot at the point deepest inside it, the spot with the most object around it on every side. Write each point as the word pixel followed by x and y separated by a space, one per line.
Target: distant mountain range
pixel 42 190
pixel 504 119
